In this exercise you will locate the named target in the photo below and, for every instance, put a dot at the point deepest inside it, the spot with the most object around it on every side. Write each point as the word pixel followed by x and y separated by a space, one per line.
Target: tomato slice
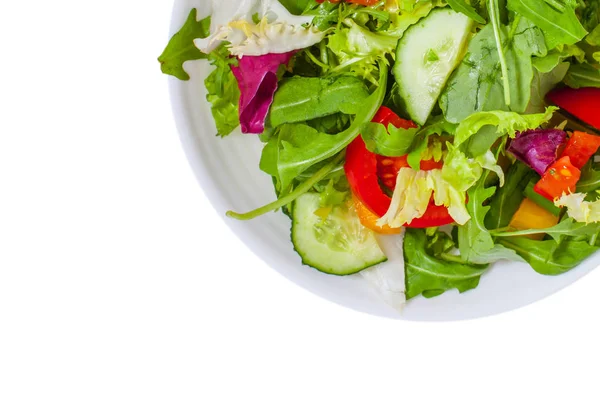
pixel 365 169
pixel 561 177
pixel 581 147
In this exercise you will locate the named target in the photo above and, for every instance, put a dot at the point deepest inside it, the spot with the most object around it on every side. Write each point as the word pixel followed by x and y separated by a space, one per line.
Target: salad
pixel 468 129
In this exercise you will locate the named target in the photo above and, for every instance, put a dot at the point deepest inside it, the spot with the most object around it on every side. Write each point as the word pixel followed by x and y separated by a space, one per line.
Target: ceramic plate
pixel 227 170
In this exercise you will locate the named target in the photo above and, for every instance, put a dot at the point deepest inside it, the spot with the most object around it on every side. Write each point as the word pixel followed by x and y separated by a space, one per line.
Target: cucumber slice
pixel 426 56
pixel 338 244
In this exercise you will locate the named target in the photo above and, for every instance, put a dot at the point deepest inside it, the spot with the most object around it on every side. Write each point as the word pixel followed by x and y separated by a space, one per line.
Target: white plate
pixel 227 170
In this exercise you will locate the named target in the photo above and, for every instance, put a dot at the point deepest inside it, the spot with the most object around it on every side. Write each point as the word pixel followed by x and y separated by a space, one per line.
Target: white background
pixel 119 282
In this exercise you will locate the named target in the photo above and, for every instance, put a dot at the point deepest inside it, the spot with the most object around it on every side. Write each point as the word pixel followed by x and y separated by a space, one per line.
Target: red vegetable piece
pixel 581 147
pixel 582 103
pixel 561 177
pixel 257 80
pixel 365 169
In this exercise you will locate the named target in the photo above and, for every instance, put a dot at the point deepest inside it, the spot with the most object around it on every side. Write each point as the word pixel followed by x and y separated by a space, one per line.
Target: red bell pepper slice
pixel 364 169
pixel 581 147
pixel 561 177
pixel 582 103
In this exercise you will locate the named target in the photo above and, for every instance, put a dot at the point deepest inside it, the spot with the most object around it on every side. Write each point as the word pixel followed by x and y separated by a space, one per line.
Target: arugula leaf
pixel 181 47
pixel 390 142
pixel 544 82
pixel 299 99
pixel 475 242
pixel 297 155
pixel 589 181
pixel 548 257
pixel 461 6
pixel 568 227
pixel 506 123
pixel 550 61
pixel 582 75
pixel 480 72
pixel 559 27
pixel 508 198
pixel 430 276
pixel 295 6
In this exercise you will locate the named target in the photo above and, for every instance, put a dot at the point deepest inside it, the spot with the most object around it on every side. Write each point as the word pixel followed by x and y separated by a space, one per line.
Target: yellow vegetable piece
pixel 532 216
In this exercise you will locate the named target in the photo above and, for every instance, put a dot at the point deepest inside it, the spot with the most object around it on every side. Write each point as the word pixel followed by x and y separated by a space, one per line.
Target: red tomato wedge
pixel 581 147
pixel 561 177
pixel 365 170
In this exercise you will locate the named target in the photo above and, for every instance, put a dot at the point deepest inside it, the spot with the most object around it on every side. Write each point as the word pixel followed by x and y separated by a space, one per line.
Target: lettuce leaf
pixel 560 27
pixel 579 209
pixel 223 92
pixel 431 276
pixel 257 80
pixel 181 47
pixel 506 123
pixel 549 257
pixel 480 76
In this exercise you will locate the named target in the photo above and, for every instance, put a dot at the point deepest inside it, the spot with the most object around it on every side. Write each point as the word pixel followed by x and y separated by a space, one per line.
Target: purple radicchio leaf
pixel 257 80
pixel 538 148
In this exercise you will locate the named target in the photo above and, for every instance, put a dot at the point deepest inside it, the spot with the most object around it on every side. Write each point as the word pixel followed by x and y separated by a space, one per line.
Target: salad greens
pixel 329 89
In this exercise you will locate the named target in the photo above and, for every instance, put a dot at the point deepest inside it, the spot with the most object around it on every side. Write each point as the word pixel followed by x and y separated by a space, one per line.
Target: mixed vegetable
pixel 467 128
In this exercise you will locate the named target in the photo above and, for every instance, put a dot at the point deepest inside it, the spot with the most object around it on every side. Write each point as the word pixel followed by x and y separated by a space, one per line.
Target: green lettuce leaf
pixel 430 276
pixel 390 142
pixel 181 47
pixel 461 6
pixel 479 74
pixel 299 151
pixel 566 228
pixel 560 27
pixel 475 242
pixel 506 123
pixel 548 257
pixel 507 199
pixel 582 75
pixel 299 99
pixel 223 92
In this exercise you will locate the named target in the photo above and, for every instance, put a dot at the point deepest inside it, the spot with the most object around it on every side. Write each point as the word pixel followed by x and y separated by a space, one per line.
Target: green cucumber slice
pixel 338 244
pixel 426 56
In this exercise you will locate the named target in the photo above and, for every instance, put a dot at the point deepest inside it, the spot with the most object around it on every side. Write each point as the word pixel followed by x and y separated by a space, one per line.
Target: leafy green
pixel 435 126
pixel 566 228
pixel 357 49
pixel 548 257
pixel 589 181
pixel 223 92
pixel 544 82
pixel 461 6
pixel 554 57
pixel 560 27
pixel 391 142
pixel 508 198
pixel 430 276
pixel 332 196
pixel 298 152
pixel 582 75
pixel 181 47
pixel 295 6
pixel 480 72
pixel 506 123
pixel 475 242
pixel 299 99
